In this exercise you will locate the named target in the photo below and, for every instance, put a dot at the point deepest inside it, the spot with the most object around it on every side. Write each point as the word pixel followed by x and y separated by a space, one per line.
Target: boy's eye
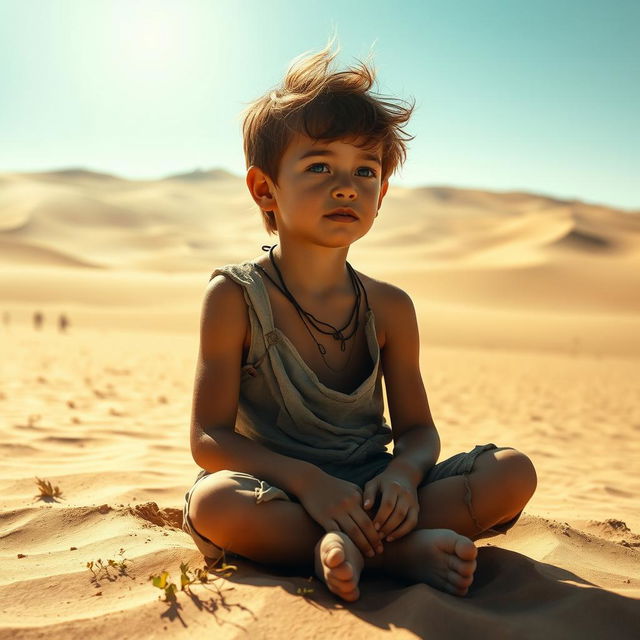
pixel 324 164
pixel 318 164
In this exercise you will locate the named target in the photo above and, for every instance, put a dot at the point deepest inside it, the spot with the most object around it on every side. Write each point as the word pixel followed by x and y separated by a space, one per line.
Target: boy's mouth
pixel 342 215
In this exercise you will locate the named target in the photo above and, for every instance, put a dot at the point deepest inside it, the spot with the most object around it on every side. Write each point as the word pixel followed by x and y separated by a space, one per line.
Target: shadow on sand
pixel 512 596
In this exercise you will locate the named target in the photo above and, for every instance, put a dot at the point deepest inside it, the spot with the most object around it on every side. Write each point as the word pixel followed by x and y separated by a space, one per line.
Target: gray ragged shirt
pixel 284 406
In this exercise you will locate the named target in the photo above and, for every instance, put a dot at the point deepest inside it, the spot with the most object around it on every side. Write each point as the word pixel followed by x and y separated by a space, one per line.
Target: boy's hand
pixel 399 506
pixel 336 505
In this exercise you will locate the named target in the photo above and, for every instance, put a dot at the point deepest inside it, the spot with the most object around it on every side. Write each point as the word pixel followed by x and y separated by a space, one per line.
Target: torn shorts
pixel 460 464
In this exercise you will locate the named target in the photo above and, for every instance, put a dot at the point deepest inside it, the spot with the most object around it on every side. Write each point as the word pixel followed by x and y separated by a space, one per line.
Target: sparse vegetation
pixel 201 576
pixel 191 576
pixel 100 570
pixel 162 582
pixel 47 490
pixel 305 591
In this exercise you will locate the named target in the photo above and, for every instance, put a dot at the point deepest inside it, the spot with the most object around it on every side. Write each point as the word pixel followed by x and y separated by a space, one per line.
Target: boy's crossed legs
pixel 453 511
pixel 439 551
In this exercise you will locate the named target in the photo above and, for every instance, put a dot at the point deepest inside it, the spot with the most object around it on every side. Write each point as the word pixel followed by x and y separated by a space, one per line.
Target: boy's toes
pixel 337 563
pixel 349 594
pixel 335 560
pixel 465 549
pixel 456 591
pixel 342 581
pixel 334 556
pixel 342 572
pixel 458 581
pixel 346 585
pixel 462 567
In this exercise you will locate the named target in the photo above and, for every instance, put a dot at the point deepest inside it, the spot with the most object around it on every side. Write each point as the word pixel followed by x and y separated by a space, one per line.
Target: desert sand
pixel 529 317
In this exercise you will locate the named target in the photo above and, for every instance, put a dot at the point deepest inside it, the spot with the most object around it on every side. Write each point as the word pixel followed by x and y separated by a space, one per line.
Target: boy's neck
pixel 313 271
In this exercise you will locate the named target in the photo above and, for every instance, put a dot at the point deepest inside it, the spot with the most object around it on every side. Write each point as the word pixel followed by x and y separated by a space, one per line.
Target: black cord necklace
pixel 308 318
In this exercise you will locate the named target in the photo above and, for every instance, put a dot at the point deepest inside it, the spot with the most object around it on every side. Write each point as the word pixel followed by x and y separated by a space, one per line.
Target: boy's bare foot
pixel 339 563
pixel 439 557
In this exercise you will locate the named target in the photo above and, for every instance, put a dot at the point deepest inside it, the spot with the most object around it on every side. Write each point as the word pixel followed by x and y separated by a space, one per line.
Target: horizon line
pixel 199 170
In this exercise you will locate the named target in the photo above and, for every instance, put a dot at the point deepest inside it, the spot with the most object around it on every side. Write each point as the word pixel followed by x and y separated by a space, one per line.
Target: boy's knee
pixel 518 472
pixel 509 472
pixel 213 495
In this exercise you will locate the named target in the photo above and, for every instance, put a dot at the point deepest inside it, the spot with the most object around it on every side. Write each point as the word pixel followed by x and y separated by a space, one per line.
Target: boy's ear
pixel 260 188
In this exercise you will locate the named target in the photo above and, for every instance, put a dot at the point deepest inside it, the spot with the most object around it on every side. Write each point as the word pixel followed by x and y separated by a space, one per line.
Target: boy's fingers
pixel 385 510
pixel 368 496
pixel 394 522
pixel 361 537
pixel 400 515
pixel 366 526
pixel 406 526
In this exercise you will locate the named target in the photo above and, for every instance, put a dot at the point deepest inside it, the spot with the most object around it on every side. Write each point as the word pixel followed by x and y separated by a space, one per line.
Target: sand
pixel 529 318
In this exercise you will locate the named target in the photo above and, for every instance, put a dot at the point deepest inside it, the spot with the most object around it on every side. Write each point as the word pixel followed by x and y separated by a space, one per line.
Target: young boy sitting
pixel 288 422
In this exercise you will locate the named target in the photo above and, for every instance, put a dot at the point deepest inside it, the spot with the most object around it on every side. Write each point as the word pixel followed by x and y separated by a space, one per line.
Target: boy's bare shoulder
pixel 384 291
pixel 224 311
pixel 223 290
pixel 391 305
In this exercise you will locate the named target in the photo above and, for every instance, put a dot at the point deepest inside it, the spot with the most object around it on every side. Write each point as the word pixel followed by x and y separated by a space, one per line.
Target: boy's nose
pixel 348 193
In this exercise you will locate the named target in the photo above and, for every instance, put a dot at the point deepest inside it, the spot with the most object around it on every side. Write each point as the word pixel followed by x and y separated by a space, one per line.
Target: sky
pixel 510 94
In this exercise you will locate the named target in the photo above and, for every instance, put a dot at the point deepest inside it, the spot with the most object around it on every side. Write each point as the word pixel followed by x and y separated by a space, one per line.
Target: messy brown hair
pixel 324 106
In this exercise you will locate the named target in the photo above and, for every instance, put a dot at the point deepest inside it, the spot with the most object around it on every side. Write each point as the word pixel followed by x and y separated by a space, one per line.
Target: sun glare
pixel 149 36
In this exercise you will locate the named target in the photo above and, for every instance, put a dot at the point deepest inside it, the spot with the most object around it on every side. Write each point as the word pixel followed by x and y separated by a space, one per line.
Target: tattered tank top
pixel 284 406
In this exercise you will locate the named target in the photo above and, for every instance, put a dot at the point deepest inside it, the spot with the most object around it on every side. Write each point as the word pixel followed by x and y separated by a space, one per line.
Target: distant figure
pixel 6 318
pixel 38 319
pixel 63 323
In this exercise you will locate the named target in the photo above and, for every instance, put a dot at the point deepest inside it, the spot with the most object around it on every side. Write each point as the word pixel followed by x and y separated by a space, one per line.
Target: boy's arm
pixel 416 444
pixel 214 444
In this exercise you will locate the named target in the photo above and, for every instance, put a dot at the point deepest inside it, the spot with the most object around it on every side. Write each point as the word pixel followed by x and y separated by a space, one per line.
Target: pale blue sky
pixel 540 96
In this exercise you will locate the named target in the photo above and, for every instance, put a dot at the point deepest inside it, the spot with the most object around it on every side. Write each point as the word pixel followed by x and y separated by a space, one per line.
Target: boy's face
pixel 315 178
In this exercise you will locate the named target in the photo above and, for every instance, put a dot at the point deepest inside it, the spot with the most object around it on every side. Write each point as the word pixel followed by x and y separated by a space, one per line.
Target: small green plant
pixel 100 570
pixel 305 591
pixel 224 570
pixel 191 576
pixel 47 490
pixel 162 582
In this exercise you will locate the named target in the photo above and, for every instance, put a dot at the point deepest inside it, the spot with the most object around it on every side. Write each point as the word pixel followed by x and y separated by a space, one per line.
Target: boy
pixel 288 422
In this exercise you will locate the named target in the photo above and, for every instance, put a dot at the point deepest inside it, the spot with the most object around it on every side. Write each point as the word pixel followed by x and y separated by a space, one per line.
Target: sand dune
pixel 529 319
pixel 559 273
pixel 125 223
